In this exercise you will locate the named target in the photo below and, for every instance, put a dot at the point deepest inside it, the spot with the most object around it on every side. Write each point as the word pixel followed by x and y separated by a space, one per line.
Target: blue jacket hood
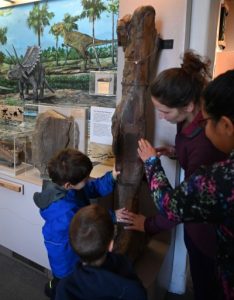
pixel 50 192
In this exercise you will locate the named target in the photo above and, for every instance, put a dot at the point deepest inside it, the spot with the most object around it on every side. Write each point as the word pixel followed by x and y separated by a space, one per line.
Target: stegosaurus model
pixel 30 72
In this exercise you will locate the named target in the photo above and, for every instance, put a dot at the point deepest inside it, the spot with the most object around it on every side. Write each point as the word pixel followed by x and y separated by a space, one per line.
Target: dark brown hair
pixel 219 96
pixel 69 165
pixel 177 87
pixel 91 232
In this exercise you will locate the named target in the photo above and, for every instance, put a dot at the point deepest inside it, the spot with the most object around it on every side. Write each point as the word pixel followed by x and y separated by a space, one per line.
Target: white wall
pixel 204 22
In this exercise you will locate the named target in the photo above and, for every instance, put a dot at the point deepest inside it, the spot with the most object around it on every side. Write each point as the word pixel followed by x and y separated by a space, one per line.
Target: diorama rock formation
pixel 138 37
pixel 53 132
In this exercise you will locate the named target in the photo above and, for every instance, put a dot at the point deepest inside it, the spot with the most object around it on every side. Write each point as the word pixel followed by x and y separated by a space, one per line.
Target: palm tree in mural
pixel 55 30
pixel 69 25
pixel 113 8
pixel 3 40
pixel 39 17
pixel 3 37
pixel 3 31
pixel 92 9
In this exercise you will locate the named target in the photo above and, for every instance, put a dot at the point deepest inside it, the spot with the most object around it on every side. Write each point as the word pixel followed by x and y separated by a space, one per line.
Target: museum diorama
pixel 43 88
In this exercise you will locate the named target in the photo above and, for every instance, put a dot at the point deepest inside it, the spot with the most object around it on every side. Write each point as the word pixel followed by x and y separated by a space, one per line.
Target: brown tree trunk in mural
pixel 138 37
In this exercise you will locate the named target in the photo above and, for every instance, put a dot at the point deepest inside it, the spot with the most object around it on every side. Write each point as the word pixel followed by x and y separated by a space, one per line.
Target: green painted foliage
pixel 80 82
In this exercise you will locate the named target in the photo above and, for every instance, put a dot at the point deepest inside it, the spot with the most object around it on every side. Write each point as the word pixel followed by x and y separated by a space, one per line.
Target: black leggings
pixel 203 273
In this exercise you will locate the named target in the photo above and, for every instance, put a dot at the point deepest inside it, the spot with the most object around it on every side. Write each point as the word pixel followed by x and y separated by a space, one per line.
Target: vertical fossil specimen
pixel 138 37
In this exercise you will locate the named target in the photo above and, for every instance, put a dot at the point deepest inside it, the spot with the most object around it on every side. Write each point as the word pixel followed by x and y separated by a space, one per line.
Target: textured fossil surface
pixel 138 37
pixel 53 131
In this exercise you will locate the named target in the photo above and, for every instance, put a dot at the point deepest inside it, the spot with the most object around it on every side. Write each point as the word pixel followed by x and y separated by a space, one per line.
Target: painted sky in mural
pixel 19 35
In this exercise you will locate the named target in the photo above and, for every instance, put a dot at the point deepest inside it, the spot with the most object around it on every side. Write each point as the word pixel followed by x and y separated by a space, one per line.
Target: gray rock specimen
pixel 53 132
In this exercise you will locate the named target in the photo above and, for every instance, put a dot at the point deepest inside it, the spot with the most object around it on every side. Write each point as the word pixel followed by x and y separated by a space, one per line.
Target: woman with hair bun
pixel 208 194
pixel 176 94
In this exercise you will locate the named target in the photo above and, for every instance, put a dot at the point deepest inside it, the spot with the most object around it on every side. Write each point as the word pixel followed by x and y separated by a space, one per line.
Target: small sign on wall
pixel 100 125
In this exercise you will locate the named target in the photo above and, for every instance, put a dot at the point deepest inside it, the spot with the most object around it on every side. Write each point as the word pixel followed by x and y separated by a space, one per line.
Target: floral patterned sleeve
pixel 207 195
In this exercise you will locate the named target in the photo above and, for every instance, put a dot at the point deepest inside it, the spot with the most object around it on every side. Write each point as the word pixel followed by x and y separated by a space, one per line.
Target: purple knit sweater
pixel 193 149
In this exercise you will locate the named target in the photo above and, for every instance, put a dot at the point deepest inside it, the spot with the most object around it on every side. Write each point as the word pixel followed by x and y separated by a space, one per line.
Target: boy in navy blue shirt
pixel 99 274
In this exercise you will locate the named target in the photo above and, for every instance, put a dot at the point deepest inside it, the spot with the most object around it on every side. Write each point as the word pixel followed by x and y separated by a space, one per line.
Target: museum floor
pixel 19 281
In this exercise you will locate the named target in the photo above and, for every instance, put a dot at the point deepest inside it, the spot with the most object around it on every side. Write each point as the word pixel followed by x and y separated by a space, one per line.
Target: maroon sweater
pixel 193 149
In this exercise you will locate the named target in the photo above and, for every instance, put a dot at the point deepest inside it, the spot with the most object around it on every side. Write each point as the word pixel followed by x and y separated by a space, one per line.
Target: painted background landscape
pixel 75 37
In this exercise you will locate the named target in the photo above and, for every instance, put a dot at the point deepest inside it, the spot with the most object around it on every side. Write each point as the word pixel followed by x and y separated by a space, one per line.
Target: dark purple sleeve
pixel 194 152
pixel 157 223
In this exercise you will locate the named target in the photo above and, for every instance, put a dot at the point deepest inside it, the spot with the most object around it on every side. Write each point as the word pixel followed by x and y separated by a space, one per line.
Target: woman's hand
pixel 130 220
pixel 168 151
pixel 134 221
pixel 120 214
pixel 145 149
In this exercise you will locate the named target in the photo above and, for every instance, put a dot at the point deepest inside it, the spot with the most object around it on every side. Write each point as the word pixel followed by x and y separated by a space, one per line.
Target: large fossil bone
pixel 138 37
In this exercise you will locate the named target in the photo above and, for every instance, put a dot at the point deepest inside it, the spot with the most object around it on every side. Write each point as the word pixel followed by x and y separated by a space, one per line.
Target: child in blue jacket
pixel 69 190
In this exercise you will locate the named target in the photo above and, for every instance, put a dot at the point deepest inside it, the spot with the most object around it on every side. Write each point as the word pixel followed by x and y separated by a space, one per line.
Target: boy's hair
pixel 91 232
pixel 219 96
pixel 177 87
pixel 69 165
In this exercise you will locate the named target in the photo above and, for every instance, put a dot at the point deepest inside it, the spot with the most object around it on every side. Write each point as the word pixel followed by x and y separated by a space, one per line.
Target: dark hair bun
pixel 194 65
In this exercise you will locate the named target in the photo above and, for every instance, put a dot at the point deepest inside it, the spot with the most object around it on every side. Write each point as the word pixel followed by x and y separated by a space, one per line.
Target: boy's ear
pixel 227 125
pixel 111 245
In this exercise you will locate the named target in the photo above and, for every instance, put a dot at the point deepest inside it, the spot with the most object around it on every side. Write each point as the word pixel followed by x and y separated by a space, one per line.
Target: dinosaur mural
pixel 81 42
pixel 69 45
pixel 29 72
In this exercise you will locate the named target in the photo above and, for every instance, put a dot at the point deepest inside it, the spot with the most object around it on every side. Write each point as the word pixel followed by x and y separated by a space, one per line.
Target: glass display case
pixel 102 83
pixel 15 148
pixel 29 142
